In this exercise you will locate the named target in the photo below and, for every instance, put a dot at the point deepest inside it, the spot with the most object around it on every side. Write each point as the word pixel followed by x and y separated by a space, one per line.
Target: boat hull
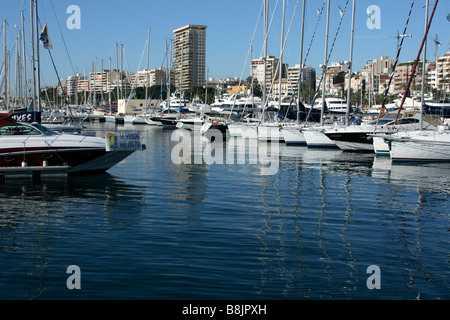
pixel 422 147
pixel 270 133
pixel 317 139
pixel 352 141
pixel 293 136
pixel 78 153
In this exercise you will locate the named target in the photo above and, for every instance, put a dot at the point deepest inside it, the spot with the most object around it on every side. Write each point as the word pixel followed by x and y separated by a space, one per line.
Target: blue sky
pixel 230 28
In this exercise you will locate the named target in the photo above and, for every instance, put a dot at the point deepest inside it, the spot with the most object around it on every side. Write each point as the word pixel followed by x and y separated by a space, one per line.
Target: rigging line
pixel 156 84
pixel 328 59
pixel 417 60
pixel 248 53
pixel 269 26
pixel 59 80
pixel 64 41
pixel 283 45
pixel 307 54
pixel 142 56
pixel 386 92
pixel 167 79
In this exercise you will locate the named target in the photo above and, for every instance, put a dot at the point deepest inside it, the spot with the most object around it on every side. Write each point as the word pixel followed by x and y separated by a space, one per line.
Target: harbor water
pixel 324 225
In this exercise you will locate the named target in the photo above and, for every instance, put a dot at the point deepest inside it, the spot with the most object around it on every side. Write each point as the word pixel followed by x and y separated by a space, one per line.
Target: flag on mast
pixel 45 39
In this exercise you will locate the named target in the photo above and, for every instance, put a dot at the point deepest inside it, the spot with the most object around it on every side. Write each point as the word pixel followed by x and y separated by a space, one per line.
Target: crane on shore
pixel 398 37
pixel 437 43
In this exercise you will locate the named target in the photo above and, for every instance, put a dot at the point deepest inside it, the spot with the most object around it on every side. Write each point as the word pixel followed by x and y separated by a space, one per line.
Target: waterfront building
pixel 308 78
pixel 443 73
pixel 72 84
pixel 271 71
pixel 189 56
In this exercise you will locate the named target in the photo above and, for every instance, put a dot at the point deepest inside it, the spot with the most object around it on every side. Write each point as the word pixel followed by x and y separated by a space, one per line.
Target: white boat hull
pixel 421 146
pixel 270 133
pixel 317 139
pixel 243 130
pixel 293 135
pixel 354 146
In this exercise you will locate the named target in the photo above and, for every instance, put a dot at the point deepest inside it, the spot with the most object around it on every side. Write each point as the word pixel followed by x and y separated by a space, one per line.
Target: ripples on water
pixel 152 229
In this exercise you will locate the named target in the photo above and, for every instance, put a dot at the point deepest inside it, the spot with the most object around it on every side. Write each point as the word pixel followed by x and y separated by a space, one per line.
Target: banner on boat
pixel 123 141
pixel 27 116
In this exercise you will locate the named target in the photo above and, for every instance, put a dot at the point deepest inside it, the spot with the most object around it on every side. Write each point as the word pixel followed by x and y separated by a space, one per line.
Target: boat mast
pixel 280 63
pixel 24 64
pixel 33 60
pixel 147 74
pixel 18 90
pixel 36 21
pixel 121 70
pixel 301 63
pixel 117 74
pixel 5 59
pixel 424 69
pixel 325 65
pixel 347 112
pixel 169 67
pixel 108 86
pixel 266 21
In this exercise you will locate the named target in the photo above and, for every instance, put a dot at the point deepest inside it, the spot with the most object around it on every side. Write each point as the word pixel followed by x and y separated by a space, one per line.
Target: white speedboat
pixel 190 123
pixel 25 144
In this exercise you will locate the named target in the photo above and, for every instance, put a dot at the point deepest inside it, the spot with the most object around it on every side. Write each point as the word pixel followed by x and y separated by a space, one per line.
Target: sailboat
pixel 314 135
pixel 421 145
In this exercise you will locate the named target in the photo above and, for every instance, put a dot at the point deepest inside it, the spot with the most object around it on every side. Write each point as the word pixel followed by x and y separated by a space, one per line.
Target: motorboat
pixel 437 107
pixel 31 144
pixel 190 123
pixel 213 126
pixel 360 137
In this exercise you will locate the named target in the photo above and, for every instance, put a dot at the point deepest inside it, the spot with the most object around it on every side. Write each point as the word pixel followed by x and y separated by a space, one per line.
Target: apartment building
pixel 98 81
pixel 307 79
pixel 72 84
pixel 443 72
pixel 189 56
pixel 272 72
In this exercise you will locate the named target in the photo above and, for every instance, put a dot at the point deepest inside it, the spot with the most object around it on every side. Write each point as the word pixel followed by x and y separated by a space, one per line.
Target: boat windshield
pixel 18 129
pixel 44 130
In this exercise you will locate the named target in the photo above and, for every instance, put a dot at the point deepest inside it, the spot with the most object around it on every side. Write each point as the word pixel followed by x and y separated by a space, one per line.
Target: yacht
pixel 437 107
pixel 31 144
pixel 332 105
